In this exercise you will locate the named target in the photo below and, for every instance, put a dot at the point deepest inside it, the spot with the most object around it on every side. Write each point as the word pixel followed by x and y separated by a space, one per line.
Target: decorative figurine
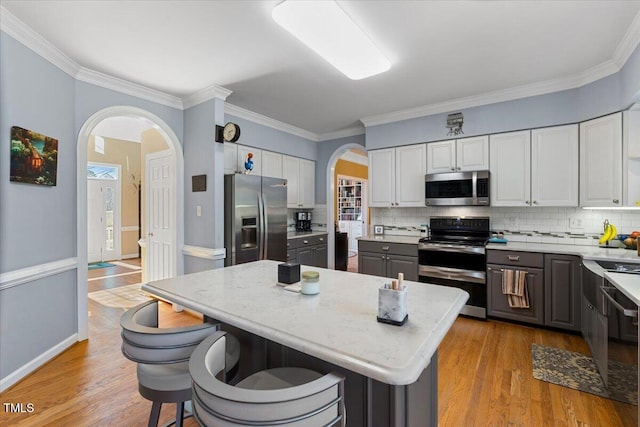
pixel 248 164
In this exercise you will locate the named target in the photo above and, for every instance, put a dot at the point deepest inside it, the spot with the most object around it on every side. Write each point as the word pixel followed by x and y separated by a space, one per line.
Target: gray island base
pixel 391 371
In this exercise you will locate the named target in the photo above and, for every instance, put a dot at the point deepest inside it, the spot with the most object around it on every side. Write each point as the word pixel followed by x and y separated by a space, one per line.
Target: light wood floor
pixel 484 378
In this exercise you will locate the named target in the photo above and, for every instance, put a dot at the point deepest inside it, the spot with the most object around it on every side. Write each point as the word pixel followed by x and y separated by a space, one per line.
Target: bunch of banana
pixel 610 233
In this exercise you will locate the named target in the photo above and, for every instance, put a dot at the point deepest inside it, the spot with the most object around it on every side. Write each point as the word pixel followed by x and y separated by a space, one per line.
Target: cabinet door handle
pixel 305 242
pixel 535 202
pixel 513 257
pixel 616 201
pixel 321 239
pixel 382 257
pixel 385 248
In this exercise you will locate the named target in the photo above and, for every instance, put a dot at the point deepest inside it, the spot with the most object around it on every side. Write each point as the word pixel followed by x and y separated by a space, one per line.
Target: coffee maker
pixel 303 221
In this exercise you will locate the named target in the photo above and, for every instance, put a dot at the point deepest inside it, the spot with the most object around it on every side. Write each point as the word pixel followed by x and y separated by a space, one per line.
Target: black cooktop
pixel 468 231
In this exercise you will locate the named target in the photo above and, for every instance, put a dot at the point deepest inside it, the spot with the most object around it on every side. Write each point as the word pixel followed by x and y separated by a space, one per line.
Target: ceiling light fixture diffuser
pixel 328 30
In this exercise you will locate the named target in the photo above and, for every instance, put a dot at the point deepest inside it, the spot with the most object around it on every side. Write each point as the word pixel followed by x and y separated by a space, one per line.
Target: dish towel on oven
pixel 514 286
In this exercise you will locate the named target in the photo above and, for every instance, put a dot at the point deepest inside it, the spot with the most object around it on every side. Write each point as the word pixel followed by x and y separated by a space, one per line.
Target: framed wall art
pixel 34 157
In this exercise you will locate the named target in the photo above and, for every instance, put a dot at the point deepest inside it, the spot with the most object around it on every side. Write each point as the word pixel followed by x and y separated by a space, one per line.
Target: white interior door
pixel 160 259
pixel 94 220
pixel 103 219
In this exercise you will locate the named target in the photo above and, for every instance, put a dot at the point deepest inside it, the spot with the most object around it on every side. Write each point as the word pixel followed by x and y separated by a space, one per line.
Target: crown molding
pixel 129 88
pixel 20 31
pixel 623 51
pixel 242 113
pixel 203 95
pixel 629 42
pixel 344 133
pixel 534 89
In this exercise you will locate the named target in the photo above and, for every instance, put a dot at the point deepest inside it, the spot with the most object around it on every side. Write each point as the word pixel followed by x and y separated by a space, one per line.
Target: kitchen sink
pixel 620 267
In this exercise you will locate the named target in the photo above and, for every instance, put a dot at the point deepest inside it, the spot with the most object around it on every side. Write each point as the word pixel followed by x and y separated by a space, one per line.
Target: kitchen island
pixel 391 371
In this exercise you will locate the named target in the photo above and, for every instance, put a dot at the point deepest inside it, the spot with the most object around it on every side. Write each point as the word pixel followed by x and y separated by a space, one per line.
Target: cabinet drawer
pixel 311 241
pixel 390 248
pixel 515 258
pixel 292 244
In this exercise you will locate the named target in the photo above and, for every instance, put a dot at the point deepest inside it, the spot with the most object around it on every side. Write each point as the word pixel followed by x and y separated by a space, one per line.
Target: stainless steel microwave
pixel 457 189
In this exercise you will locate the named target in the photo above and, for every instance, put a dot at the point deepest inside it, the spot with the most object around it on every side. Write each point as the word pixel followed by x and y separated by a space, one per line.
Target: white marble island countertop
pixel 338 325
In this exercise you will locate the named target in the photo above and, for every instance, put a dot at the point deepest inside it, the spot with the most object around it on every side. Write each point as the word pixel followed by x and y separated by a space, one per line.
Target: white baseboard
pixel 129 256
pixel 34 364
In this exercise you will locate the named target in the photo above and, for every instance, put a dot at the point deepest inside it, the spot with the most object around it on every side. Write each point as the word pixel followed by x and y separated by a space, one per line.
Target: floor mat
pixel 96 265
pixel 579 372
pixel 120 297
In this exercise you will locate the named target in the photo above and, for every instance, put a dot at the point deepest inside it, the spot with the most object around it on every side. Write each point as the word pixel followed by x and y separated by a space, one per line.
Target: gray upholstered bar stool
pixel 273 397
pixel 162 355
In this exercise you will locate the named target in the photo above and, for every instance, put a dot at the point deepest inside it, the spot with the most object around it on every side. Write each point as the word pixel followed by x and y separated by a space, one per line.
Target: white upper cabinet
pixel 382 189
pixel 510 167
pixel 601 161
pixel 300 176
pixel 230 158
pixel 243 151
pixel 411 167
pixel 271 164
pixel 554 166
pixel 466 154
pixel 396 176
pixel 535 168
pixel 307 185
pixel 472 154
pixel 441 156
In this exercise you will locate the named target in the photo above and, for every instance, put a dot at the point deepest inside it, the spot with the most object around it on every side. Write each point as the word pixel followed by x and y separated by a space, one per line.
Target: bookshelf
pixel 349 200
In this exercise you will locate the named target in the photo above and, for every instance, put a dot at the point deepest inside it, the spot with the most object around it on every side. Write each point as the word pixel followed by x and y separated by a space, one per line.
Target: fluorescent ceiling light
pixel 326 28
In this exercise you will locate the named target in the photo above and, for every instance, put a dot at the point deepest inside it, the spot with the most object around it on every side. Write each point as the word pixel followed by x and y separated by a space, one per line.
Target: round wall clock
pixel 231 132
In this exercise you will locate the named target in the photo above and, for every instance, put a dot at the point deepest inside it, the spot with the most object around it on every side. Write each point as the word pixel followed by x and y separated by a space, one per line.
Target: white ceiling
pixel 440 51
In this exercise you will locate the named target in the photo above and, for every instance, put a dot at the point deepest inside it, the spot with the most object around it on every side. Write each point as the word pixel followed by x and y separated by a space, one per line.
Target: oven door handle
pixel 451 248
pixel 452 274
pixel 626 311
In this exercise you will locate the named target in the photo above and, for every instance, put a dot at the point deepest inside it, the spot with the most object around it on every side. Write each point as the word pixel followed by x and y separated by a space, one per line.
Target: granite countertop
pixel 391 238
pixel 338 325
pixel 298 234
pixel 586 252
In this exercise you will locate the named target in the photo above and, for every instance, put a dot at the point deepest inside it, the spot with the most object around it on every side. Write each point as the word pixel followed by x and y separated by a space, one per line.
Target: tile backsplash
pixel 545 222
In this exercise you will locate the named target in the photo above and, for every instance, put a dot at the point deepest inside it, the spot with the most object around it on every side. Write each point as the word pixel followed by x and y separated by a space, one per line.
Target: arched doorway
pixel 175 150
pixel 331 193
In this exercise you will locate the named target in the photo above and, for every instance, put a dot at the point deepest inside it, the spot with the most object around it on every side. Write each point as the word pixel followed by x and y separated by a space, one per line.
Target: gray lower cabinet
pixel 310 251
pixel 497 303
pixel 562 294
pixel 388 259
pixel 498 306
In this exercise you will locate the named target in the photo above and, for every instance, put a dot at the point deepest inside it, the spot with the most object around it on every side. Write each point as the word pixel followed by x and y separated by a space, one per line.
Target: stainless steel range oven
pixel 455 255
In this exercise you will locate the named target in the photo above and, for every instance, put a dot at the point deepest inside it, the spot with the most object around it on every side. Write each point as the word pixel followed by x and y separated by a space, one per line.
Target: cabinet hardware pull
pixel 382 257
pixel 615 200
pixel 513 257
pixel 322 239
pixel 385 248
pixel 305 242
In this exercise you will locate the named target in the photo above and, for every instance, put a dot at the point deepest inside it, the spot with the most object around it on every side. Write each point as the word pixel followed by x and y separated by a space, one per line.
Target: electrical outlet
pixel 198 210
pixel 575 222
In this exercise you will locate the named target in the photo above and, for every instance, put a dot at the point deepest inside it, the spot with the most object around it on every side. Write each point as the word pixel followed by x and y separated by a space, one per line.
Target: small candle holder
pixel 392 305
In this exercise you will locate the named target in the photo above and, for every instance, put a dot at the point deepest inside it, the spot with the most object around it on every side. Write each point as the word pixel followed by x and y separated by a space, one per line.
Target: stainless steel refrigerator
pixel 255 218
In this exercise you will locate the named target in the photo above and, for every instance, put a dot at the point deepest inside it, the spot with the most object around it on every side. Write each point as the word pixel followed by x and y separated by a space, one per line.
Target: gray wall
pixel 325 150
pixel 38 223
pixel 266 138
